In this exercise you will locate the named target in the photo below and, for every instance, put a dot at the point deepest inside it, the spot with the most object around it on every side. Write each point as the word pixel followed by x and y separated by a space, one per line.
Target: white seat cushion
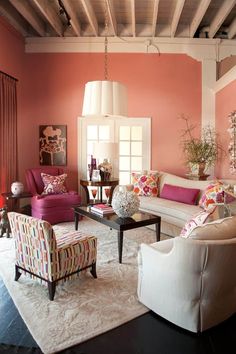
pixel 169 210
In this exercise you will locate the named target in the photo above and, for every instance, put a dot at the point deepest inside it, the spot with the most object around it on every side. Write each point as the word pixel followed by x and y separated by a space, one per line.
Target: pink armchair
pixel 53 208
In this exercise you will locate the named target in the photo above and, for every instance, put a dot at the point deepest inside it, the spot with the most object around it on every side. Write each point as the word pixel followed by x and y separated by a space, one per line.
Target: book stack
pixel 102 209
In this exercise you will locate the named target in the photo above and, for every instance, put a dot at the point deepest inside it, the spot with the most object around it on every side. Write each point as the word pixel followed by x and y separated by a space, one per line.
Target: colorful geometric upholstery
pixel 41 254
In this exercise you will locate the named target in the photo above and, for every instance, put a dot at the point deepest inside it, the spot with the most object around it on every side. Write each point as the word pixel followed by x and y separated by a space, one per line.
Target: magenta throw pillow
pixel 180 194
pixel 54 184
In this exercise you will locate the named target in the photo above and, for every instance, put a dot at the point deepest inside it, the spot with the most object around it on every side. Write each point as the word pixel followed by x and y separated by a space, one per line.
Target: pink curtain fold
pixel 8 133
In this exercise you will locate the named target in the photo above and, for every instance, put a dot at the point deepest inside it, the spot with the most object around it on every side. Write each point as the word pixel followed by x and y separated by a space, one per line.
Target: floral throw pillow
pixel 214 194
pixel 145 184
pixel 54 184
pixel 197 220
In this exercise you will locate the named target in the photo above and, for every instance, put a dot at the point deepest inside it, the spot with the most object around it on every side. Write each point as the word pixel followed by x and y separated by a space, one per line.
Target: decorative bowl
pixel 125 203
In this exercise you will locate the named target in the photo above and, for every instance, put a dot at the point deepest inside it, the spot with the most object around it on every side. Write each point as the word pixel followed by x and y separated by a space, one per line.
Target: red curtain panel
pixel 8 133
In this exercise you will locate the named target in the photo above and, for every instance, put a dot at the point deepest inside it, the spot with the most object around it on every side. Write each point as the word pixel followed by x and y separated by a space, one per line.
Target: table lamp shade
pixel 105 150
pixel 104 98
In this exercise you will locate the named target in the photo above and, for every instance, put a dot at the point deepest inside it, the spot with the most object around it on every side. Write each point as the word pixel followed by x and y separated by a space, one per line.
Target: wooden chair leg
pixel 93 270
pixel 17 273
pixel 51 289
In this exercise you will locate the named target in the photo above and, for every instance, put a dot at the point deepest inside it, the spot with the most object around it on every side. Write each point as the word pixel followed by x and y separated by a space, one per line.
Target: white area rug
pixel 85 307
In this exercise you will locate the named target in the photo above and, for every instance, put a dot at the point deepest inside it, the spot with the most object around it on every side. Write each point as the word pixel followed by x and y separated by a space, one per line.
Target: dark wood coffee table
pixel 120 224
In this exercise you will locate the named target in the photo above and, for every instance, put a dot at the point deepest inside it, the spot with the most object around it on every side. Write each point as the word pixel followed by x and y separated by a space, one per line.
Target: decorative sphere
pixel 125 204
pixel 17 188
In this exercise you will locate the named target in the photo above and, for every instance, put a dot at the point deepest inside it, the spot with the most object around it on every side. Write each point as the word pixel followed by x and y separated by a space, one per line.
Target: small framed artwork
pixel 96 175
pixel 53 145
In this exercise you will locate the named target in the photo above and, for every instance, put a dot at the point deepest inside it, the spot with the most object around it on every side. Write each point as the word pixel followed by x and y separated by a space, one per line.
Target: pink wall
pixel 11 51
pixel 160 87
pixel 51 89
pixel 225 104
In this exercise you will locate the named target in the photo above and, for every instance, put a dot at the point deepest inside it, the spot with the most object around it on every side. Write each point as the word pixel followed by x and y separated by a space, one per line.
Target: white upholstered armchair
pixel 190 282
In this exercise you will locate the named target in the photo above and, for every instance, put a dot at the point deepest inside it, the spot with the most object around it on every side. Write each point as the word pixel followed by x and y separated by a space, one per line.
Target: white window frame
pixel 114 123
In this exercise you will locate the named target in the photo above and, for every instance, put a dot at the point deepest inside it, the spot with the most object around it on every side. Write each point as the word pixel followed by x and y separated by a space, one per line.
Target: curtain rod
pixel 12 77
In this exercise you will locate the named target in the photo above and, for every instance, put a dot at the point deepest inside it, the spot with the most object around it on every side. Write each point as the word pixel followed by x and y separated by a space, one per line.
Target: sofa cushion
pixel 169 210
pixel 180 194
pixel 220 229
pixel 145 184
pixel 199 219
pixel 54 184
pixel 168 178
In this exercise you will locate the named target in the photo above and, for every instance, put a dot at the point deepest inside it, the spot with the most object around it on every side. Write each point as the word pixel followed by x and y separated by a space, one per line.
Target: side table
pixel 16 198
pixel 113 182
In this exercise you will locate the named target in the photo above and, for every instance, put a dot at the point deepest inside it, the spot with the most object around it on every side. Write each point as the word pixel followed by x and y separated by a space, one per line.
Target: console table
pixel 113 182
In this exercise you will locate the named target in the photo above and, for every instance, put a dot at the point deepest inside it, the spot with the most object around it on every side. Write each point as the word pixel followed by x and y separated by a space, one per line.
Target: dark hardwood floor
pixel 148 334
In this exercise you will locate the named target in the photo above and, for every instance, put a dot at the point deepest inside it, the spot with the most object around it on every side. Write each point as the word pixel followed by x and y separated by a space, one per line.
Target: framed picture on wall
pixel 53 145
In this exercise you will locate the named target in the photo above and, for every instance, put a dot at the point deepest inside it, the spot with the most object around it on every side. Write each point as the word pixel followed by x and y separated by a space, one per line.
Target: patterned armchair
pixel 51 258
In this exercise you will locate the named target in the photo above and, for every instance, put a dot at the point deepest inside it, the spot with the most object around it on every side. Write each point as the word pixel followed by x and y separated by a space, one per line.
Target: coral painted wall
pixel 52 87
pixel 11 51
pixel 225 104
pixel 160 87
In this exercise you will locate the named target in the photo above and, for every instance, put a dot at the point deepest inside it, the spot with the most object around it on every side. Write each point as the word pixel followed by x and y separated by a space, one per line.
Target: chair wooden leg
pixel 93 270
pixel 17 273
pixel 51 289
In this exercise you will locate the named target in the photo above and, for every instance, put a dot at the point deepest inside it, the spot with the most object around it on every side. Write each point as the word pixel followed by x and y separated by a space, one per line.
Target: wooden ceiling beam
pixel 51 16
pixel 90 15
pixel 220 16
pixel 154 18
pixel 30 15
pixel 201 10
pixel 73 19
pixel 178 10
pixel 232 29
pixel 112 16
pixel 13 18
pixel 133 20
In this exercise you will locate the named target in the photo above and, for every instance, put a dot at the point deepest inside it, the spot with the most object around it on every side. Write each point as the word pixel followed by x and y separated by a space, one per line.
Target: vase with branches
pixel 200 152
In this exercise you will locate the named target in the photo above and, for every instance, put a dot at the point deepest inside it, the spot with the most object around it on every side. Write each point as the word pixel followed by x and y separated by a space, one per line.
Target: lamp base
pixel 105 176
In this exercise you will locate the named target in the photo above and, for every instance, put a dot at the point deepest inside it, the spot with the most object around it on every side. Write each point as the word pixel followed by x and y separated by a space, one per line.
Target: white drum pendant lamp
pixel 105 97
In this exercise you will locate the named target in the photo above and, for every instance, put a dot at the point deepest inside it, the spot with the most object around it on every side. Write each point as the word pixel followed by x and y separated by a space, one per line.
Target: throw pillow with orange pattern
pixel 54 184
pixel 145 184
pixel 214 194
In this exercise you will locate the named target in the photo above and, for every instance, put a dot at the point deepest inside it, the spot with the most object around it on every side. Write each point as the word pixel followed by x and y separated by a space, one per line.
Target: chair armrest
pixel 72 192
pixel 39 196
pixel 155 255
pixel 170 273
pixel 72 238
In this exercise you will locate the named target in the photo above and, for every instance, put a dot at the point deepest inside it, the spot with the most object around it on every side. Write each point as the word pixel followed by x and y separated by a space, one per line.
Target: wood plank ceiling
pixel 125 18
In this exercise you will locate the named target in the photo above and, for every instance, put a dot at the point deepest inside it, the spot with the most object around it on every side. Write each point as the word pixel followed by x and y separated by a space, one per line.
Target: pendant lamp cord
pixel 106 44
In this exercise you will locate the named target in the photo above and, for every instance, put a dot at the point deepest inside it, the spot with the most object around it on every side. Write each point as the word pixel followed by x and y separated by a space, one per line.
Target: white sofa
pixel 191 282
pixel 174 214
